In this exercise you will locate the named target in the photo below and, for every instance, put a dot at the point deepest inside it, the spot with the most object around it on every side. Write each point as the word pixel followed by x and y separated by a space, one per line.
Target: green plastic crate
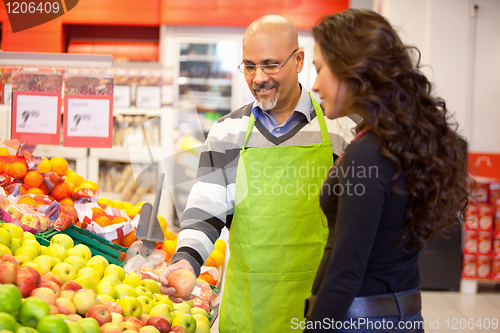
pixel 96 244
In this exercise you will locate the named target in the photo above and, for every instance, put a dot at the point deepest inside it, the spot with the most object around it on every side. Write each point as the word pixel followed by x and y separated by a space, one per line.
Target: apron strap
pixel 251 122
pixel 321 120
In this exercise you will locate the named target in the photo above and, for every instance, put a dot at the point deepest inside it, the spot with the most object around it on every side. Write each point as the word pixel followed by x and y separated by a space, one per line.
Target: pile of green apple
pixel 75 286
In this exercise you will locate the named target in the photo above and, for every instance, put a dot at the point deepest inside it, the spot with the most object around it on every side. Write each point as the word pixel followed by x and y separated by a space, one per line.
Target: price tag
pixel 36 117
pixel 7 93
pixel 88 121
pixel 121 96
pixel 88 117
pixel 148 97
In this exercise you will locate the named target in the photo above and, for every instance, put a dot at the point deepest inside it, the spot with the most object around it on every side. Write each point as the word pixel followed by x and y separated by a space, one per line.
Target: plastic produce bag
pixel 30 219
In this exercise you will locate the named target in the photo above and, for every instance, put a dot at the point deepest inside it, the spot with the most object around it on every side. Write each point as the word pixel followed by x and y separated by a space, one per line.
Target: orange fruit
pixel 27 201
pixel 220 245
pixel 208 278
pixel 210 262
pixel 35 190
pixel 60 191
pixel 44 165
pixel 33 178
pixel 17 170
pixel 59 165
pixel 118 219
pixel 103 221
pixel 97 212
pixel 70 210
pixel 129 238
pixel 169 247
pixel 117 241
pixel 67 201
pixel 44 189
pixel 4 151
pixel 218 257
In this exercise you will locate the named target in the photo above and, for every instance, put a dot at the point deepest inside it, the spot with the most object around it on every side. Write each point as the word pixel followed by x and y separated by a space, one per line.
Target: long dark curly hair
pixel 415 130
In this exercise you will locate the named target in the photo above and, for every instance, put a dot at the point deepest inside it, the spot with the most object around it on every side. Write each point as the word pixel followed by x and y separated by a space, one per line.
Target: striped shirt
pixel 211 201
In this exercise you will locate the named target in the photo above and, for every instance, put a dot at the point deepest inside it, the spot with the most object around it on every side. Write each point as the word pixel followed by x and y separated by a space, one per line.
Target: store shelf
pixel 204 81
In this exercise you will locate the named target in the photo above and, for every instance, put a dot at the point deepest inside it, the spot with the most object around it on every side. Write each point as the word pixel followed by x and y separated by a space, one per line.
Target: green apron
pixel 277 237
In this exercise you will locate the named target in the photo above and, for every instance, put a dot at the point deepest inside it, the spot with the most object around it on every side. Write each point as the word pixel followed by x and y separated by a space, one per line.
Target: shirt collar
pixel 304 105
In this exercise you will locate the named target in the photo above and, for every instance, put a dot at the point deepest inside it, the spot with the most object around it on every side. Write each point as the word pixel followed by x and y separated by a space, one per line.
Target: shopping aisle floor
pixel 450 311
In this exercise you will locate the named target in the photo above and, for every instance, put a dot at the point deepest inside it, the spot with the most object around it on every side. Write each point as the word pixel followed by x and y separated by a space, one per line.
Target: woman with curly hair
pixel 400 183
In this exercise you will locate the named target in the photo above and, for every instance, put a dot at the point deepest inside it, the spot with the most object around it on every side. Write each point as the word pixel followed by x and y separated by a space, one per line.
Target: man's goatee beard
pixel 267 105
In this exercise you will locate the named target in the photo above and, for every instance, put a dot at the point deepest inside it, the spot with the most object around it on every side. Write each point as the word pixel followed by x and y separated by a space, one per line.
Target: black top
pixel 364 255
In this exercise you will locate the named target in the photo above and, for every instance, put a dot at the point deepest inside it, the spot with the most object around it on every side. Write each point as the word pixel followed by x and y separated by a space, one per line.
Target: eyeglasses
pixel 268 69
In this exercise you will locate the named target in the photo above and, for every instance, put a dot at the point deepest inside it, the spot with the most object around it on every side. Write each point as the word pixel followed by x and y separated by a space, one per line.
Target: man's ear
pixel 299 56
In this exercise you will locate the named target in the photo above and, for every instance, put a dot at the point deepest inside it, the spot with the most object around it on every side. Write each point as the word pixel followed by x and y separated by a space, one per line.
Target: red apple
pixel 45 294
pixel 9 258
pixel 160 323
pixel 71 285
pixel 74 317
pixel 199 303
pixel 183 281
pixel 111 328
pixel 25 281
pixel 178 329
pixel 99 313
pixel 8 272
pixel 49 276
pixel 65 306
pixel 51 285
pixel 135 323
pixel 113 307
pixel 36 274
pixel 54 309
pixel 144 318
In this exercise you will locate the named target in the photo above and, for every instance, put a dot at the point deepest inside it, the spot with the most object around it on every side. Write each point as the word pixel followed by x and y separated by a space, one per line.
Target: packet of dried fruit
pixel 36 81
pixel 88 84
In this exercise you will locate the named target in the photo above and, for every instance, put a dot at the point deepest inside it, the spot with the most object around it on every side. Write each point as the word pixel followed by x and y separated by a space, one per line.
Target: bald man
pixel 260 177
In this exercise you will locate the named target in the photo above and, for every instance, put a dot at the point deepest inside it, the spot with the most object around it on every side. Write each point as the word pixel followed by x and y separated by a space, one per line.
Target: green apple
pixel 190 303
pixel 10 298
pixel 4 249
pixel 25 329
pixel 182 307
pixel 28 235
pixel 199 311
pixel 199 317
pixel 5 237
pixel 106 287
pixel 112 279
pixel 57 251
pixel 152 285
pixel 64 271
pixel 100 259
pixel 147 303
pixel 131 306
pixel 132 279
pixel 45 262
pixel 63 240
pixel 115 271
pixel 35 266
pixel 52 324
pixel 75 261
pixel 75 327
pixel 86 282
pixel 84 299
pixel 15 244
pixel 7 322
pixel 32 310
pixel 96 266
pixel 143 291
pixel 166 300
pixel 22 258
pixel 27 250
pixel 89 272
pixel 124 290
pixel 101 298
pixel 186 321
pixel 163 310
pixel 33 243
pixel 90 325
pixel 202 327
pixel 15 230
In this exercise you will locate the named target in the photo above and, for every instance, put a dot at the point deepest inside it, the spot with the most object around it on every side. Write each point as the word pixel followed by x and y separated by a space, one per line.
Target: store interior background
pixel 459 41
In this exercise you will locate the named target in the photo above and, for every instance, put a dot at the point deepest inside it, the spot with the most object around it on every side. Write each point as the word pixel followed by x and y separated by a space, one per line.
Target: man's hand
pixel 165 288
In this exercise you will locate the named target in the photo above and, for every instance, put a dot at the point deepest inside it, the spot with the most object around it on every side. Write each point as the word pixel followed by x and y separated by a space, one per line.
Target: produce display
pixel 53 283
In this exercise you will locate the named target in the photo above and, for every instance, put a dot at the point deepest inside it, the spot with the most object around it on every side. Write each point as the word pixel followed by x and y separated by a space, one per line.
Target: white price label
pixel 7 93
pixel 88 117
pixel 121 96
pixel 36 114
pixel 148 97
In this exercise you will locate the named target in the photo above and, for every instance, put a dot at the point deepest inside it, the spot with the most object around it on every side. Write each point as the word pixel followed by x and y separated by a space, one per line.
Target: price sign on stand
pixel 88 121
pixel 148 97
pixel 36 107
pixel 121 97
